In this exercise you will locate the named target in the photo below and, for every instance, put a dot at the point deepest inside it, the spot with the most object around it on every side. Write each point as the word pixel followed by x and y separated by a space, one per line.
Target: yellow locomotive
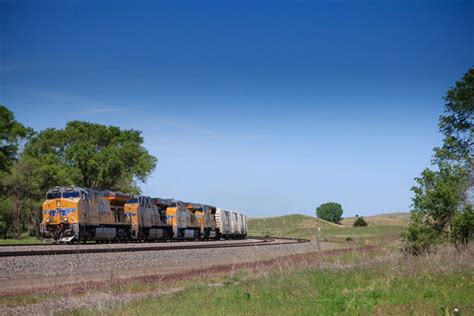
pixel 78 214
pixel 75 214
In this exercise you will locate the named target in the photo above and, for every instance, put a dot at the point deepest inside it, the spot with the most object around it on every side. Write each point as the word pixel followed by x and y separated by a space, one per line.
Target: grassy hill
pixel 303 226
pixel 295 225
pixel 382 219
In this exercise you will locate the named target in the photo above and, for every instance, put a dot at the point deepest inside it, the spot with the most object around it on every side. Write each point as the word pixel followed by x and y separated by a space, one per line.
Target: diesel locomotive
pixel 75 214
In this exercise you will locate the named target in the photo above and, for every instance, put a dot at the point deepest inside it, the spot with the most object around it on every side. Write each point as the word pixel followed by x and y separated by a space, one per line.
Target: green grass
pixel 295 225
pixel 320 292
pixel 22 299
pixel 23 240
pixel 381 232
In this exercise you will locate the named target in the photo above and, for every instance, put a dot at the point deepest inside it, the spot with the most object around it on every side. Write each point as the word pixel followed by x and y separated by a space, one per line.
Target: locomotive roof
pixel 162 201
pixel 68 189
pixel 115 195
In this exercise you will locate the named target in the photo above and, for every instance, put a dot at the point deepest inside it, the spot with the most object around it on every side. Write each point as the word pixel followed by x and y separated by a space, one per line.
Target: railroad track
pixel 82 250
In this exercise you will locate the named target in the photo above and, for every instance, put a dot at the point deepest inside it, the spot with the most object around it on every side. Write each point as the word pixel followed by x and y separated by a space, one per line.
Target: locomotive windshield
pixel 132 201
pixel 53 195
pixel 72 194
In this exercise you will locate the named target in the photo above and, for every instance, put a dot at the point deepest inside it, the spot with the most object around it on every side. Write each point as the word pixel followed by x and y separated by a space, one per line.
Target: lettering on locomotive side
pixel 60 211
pixel 103 209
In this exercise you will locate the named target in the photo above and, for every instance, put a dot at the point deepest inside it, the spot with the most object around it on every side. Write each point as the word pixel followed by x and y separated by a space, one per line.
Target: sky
pixel 267 107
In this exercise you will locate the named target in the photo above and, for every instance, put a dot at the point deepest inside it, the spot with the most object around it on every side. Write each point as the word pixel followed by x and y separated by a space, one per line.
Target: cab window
pixel 72 194
pixel 53 195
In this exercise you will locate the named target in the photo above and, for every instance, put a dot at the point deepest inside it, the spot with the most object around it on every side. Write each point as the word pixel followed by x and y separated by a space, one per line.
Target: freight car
pixel 75 214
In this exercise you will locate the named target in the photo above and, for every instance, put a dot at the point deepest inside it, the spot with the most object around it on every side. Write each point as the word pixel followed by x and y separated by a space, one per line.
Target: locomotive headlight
pixel 47 219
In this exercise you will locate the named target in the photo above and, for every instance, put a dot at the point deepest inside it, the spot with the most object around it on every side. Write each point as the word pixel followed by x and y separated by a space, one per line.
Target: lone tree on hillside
pixel 330 211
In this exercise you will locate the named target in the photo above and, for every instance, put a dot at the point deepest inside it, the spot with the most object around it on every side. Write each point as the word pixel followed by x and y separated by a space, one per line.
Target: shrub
pixel 419 238
pixel 463 227
pixel 360 222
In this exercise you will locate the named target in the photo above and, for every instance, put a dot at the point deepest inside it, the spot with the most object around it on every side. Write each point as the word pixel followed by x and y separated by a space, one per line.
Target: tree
pixel 457 123
pixel 438 196
pixel 11 133
pixel 441 208
pixel 23 195
pixel 360 222
pixel 6 220
pixel 463 227
pixel 93 156
pixel 330 211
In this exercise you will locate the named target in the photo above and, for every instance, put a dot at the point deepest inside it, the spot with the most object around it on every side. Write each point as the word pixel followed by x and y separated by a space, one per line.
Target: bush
pixel 463 227
pixel 360 222
pixel 420 238
pixel 331 212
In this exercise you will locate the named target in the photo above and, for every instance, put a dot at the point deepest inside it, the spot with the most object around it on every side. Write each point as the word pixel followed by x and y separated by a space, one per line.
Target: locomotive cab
pixel 60 213
pixel 147 218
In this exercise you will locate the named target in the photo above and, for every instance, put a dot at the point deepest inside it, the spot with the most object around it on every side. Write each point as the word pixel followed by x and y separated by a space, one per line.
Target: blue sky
pixel 270 107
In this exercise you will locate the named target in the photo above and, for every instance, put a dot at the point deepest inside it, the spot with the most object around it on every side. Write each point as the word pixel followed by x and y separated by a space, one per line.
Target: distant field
pixel 303 226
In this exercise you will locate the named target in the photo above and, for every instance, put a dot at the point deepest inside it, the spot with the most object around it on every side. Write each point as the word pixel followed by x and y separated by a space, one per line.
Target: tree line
pixel 84 154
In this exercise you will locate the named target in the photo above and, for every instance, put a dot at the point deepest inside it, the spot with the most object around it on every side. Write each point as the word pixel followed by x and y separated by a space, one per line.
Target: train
pixel 75 214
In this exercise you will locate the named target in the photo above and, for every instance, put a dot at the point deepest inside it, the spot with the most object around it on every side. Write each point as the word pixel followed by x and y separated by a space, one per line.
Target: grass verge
pixel 379 283
pixel 24 240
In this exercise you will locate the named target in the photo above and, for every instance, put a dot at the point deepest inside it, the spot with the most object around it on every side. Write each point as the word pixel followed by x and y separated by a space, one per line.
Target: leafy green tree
pixel 6 220
pixel 11 134
pixel 93 156
pixel 360 222
pixel 23 195
pixel 440 204
pixel 330 211
pixel 457 123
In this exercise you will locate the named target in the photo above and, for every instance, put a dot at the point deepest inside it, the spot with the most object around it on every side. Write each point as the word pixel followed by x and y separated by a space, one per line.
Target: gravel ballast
pixel 20 273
